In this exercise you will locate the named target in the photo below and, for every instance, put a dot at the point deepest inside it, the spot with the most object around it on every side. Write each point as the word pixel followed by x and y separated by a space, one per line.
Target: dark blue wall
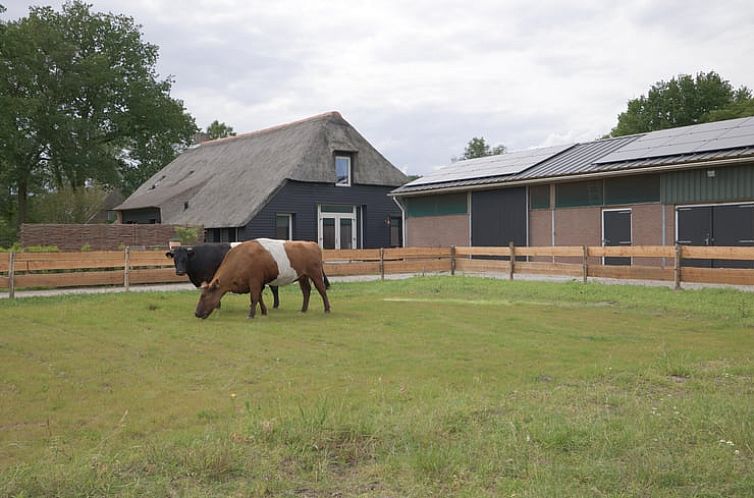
pixel 301 200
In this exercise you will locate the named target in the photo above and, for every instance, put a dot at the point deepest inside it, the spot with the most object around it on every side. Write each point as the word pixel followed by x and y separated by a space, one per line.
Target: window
pixel 396 231
pixel 284 227
pixel 337 227
pixel 539 197
pixel 437 205
pixel 632 189
pixel 226 235
pixel 578 194
pixel 343 171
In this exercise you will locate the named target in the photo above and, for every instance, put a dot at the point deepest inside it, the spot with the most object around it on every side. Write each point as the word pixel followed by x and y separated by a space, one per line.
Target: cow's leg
pixel 274 289
pixel 261 301
pixel 256 297
pixel 319 283
pixel 306 290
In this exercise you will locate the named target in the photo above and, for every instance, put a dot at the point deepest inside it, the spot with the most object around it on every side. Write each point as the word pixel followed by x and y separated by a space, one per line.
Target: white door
pixel 337 230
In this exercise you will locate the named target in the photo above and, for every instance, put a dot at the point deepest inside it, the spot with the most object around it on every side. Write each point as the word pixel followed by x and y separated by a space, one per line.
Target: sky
pixel 419 79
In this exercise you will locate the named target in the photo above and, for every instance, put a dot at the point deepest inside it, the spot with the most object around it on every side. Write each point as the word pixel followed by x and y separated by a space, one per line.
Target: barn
pixel 314 179
pixel 691 185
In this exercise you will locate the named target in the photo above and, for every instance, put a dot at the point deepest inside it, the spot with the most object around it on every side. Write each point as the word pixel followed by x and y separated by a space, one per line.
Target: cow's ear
pixel 169 254
pixel 190 252
pixel 204 285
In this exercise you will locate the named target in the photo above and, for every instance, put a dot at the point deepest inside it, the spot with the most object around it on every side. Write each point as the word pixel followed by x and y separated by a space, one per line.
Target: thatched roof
pixel 227 181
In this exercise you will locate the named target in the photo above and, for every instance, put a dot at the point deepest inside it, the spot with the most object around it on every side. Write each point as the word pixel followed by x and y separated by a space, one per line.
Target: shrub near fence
pixel 127 267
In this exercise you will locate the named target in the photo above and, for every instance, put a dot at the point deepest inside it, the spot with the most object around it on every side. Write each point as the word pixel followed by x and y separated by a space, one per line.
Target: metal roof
pixel 575 159
pixel 490 166
pixel 603 156
pixel 706 137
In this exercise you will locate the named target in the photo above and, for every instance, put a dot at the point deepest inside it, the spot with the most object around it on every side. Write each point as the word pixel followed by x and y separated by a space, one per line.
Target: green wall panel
pixel 437 205
pixel 731 183
pixel 632 189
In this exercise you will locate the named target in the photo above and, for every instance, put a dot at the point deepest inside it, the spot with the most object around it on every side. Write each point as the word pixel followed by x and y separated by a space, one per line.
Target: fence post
pixel 585 263
pixel 382 263
pixel 453 259
pixel 677 267
pixel 512 247
pixel 12 275
pixel 126 252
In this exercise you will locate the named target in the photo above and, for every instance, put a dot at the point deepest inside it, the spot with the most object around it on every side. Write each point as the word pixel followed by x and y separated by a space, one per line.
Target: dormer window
pixel 343 171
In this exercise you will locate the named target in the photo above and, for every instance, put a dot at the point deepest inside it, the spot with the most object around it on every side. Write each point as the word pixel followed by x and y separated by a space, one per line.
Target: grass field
pixel 433 386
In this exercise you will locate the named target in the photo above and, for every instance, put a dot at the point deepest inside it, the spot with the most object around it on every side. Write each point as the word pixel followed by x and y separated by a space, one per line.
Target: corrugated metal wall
pixel 498 217
pixel 731 183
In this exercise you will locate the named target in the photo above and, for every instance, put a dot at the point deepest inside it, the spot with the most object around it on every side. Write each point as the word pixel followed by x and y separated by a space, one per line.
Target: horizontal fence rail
pixel 668 263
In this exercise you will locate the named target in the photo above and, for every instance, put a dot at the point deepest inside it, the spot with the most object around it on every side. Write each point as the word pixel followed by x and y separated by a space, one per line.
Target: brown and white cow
pixel 251 265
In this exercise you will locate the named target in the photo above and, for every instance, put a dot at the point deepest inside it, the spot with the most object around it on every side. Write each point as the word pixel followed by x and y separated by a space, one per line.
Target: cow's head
pixel 210 298
pixel 181 257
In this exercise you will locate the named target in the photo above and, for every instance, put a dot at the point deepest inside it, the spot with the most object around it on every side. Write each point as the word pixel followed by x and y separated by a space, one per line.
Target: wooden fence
pixel 127 267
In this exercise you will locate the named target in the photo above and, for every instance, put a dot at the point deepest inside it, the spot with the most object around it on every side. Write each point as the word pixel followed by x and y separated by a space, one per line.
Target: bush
pixel 187 235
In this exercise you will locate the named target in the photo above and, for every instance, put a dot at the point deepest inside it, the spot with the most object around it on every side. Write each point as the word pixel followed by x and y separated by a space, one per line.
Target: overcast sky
pixel 420 78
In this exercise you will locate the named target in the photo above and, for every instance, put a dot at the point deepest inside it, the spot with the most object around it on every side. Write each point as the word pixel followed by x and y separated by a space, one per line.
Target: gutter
pixel 403 219
pixel 565 178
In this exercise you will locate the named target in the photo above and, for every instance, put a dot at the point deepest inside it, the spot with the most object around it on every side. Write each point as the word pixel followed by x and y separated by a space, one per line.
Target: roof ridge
pixel 329 114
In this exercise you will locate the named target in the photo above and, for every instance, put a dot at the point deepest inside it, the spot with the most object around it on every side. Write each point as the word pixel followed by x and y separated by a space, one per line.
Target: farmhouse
pixel 316 179
pixel 690 185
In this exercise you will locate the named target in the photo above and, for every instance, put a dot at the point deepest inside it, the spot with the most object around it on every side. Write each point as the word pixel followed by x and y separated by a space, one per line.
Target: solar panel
pixel 705 137
pixel 501 165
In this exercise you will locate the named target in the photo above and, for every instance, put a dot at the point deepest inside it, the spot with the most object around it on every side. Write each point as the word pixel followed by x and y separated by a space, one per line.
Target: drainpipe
pixel 403 218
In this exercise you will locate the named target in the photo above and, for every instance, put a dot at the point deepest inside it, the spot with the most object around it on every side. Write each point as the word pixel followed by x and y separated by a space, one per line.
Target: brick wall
pixel 540 232
pixel 99 237
pixel 437 231
pixel 577 227
pixel 646 230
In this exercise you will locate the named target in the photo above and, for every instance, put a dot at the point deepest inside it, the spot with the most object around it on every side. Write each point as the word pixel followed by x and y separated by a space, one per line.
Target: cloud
pixel 420 78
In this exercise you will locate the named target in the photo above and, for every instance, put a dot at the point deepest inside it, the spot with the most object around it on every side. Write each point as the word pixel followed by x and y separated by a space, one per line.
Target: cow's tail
pixel 327 282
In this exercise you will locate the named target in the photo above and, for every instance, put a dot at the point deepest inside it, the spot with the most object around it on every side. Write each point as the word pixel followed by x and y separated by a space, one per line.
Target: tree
pixel 478 147
pixel 684 100
pixel 82 102
pixel 217 130
pixel 68 205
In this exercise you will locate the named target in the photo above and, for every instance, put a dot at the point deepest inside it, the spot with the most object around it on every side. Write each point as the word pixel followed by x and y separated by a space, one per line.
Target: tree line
pixel 84 112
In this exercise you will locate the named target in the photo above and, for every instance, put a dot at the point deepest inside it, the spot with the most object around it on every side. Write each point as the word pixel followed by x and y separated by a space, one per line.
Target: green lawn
pixel 434 386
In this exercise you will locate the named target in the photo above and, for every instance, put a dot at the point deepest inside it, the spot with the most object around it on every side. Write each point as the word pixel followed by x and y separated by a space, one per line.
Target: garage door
pixel 731 225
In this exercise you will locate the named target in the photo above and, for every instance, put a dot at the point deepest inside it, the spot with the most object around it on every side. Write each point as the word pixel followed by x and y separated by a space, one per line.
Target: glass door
pixel 337 227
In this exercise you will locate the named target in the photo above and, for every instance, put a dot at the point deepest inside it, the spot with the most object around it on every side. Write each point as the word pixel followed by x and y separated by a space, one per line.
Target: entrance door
pixel 337 227
pixel 733 226
pixel 695 229
pixel 616 231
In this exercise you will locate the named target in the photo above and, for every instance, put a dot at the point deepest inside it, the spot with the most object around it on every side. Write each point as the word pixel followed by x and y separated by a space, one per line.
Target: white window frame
pixel 602 215
pixel 290 224
pixel 337 216
pixel 350 170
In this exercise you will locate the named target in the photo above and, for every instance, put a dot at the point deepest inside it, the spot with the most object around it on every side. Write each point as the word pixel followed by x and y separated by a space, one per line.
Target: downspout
pixel 403 218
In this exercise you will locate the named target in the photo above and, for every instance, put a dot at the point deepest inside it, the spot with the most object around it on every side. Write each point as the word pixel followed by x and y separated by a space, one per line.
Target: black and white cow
pixel 200 262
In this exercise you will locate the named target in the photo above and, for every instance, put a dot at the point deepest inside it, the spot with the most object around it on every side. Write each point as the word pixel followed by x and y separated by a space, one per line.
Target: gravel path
pixel 185 287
